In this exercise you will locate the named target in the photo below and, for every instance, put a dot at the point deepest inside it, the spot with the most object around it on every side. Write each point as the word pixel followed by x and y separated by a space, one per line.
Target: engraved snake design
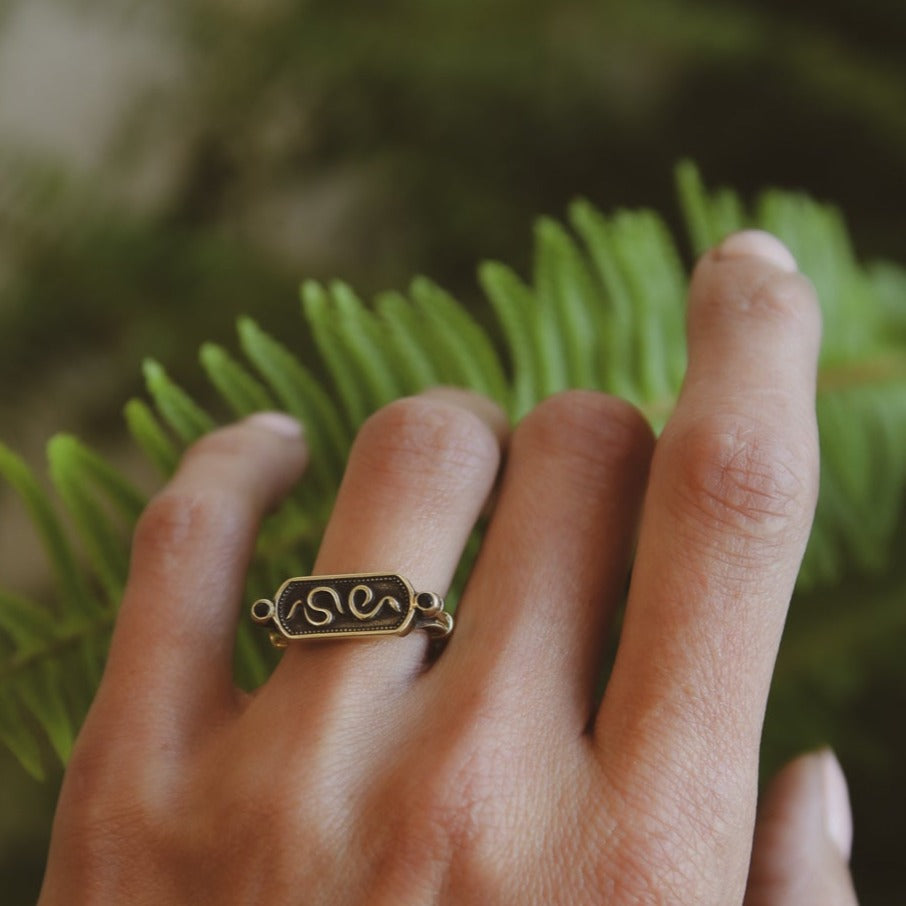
pixel 310 606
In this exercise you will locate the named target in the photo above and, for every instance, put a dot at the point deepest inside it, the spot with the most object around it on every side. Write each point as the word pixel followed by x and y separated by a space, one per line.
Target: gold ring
pixel 354 605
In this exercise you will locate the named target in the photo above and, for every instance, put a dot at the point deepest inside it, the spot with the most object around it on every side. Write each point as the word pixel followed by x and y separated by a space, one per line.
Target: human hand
pixel 362 774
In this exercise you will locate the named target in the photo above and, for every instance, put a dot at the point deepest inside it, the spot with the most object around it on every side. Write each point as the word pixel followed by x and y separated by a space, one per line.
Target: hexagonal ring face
pixel 360 604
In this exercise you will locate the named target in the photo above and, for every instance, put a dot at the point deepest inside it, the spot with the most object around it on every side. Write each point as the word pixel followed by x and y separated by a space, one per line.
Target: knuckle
pixel 450 800
pixel 678 840
pixel 647 864
pixel 106 819
pixel 226 442
pixel 746 477
pixel 418 437
pixel 92 771
pixel 175 517
pixel 457 807
pixel 232 449
pixel 593 430
pixel 786 298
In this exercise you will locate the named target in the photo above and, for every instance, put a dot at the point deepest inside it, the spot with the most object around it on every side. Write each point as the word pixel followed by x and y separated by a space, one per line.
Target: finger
pixel 418 475
pixel 803 838
pixel 555 559
pixel 727 515
pixel 173 644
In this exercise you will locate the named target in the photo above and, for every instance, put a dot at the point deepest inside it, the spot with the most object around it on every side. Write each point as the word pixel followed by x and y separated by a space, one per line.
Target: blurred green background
pixel 165 167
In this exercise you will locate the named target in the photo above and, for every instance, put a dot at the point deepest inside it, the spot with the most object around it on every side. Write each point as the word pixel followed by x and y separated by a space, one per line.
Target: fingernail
pixel 838 820
pixel 758 244
pixel 277 422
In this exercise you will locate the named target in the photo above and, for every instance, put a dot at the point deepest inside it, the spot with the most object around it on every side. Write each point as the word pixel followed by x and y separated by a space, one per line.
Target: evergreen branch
pixel 92 469
pixel 150 437
pixel 70 584
pixel 104 544
pixel 849 636
pixel 708 220
pixel 658 302
pixel 26 623
pixel 40 693
pixel 56 644
pixel 881 369
pixel 17 737
pixel 457 340
pixel 562 277
pixel 513 304
pixel 175 406
pixel 551 340
pixel 404 333
pixel 617 328
pixel 252 668
pixel 362 355
pixel 34 678
pixel 242 392
pixel 333 347
pixel 303 397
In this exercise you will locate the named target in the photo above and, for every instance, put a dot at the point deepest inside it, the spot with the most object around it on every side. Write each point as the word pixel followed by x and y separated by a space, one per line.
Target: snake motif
pixel 310 607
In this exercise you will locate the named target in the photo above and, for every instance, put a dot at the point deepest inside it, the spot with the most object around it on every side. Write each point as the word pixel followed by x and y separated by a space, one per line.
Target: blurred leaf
pixel 150 437
pixel 175 406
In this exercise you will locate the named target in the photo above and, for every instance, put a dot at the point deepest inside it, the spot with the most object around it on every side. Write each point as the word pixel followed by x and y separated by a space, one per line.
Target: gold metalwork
pixel 355 605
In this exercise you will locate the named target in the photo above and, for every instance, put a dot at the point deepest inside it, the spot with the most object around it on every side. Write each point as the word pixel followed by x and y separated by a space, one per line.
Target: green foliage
pixel 604 309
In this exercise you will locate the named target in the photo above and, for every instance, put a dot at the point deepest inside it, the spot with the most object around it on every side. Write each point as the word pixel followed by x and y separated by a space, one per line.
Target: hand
pixel 362 774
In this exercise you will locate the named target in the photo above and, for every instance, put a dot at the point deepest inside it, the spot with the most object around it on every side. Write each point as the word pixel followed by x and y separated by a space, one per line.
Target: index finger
pixel 172 647
pixel 729 507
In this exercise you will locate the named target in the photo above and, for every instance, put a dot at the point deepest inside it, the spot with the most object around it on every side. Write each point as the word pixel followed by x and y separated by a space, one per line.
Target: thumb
pixel 803 837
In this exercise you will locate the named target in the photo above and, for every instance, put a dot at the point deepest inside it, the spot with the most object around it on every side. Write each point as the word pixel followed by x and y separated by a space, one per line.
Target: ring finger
pixel 418 476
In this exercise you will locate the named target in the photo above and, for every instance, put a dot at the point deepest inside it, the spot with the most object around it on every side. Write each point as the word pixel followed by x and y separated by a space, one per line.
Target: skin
pixel 362 773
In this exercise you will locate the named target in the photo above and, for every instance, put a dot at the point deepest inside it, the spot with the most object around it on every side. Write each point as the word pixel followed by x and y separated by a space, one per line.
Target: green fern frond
pixel 408 341
pixel 178 410
pixel 302 396
pixel 17 736
pixel 241 391
pixel 79 476
pixel 462 351
pixel 71 586
pixel 347 336
pixel 150 437
pixel 605 309
pixel 513 303
pixel 52 657
pixel 48 675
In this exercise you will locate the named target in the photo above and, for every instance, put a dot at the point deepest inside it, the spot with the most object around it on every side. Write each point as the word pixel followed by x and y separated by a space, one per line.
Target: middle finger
pixel 536 613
